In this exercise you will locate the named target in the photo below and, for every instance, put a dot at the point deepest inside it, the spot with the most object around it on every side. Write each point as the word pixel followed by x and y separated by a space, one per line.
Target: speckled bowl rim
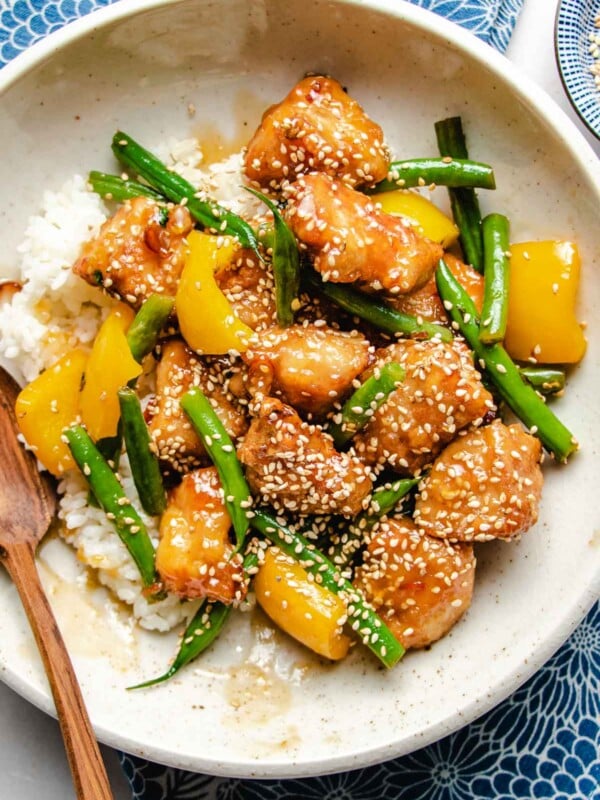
pixel 581 153
pixel 575 90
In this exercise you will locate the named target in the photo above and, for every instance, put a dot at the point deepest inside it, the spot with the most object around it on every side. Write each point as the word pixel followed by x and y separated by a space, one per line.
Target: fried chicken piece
pixel 441 394
pixel 294 466
pixel 426 303
pixel 133 255
pixel 250 288
pixel 317 127
pixel 309 366
pixel 352 240
pixel 418 584
pixel 195 557
pixel 177 443
pixel 485 485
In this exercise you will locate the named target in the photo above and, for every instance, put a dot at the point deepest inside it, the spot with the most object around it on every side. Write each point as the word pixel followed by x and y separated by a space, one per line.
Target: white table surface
pixel 32 760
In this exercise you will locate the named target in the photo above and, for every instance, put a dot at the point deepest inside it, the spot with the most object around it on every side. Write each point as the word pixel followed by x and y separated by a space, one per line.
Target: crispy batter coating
pixel 425 302
pixel 177 443
pixel 441 394
pixel 309 366
pixel 250 288
pixel 420 585
pixel 294 466
pixel 485 485
pixel 317 127
pixel 352 240
pixel 133 255
pixel 195 557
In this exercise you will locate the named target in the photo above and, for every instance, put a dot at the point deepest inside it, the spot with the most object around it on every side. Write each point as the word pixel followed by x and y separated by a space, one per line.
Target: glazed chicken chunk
pixel 441 394
pixel 420 585
pixel 350 238
pixel 134 255
pixel 485 485
pixel 249 287
pixel 177 443
pixel 317 127
pixel 310 366
pixel 425 302
pixel 195 557
pixel 294 466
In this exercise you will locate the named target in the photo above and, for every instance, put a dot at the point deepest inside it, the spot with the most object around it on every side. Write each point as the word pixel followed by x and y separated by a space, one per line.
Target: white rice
pixel 57 311
pixel 221 181
pixel 87 530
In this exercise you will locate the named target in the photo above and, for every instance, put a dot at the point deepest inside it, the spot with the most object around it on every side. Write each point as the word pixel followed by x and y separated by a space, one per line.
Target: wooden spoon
pixel 27 507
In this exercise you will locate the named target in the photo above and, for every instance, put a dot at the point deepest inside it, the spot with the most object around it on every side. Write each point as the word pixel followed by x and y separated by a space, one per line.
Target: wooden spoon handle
pixel 87 767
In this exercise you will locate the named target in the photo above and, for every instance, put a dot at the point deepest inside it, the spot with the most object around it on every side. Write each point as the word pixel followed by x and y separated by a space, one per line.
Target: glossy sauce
pixel 215 145
pixel 93 623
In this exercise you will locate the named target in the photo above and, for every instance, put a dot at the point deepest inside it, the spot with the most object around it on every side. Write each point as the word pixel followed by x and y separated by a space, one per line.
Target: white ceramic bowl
pixel 257 705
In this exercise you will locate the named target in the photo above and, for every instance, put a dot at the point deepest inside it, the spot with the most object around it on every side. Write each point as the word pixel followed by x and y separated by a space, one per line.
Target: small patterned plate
pixel 577 44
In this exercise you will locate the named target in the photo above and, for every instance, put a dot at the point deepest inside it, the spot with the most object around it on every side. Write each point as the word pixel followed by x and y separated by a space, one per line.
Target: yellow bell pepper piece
pixel 110 366
pixel 48 405
pixel 302 608
pixel 544 277
pixel 424 215
pixel 207 321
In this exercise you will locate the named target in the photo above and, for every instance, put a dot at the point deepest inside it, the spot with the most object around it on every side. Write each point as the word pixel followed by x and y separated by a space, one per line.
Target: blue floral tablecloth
pixel 543 742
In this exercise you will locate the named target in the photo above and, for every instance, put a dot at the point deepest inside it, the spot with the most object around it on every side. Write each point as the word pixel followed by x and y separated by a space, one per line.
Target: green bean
pixel 373 311
pixel 545 380
pixel 362 404
pixel 149 321
pixel 496 272
pixel 206 624
pixel 208 213
pixel 113 187
pixel 371 629
pixel 109 493
pixel 463 201
pixel 451 138
pixel 467 216
pixel 109 448
pixel 143 461
pixel 383 500
pixel 285 261
pixel 447 171
pixel 220 448
pixel 503 372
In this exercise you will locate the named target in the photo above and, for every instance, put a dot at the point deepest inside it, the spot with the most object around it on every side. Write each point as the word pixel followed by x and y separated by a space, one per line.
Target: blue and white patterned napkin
pixel 23 22
pixel 543 742
pixel 490 20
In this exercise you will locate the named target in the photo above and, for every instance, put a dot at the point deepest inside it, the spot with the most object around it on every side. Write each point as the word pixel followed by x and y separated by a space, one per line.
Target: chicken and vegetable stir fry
pixel 312 400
